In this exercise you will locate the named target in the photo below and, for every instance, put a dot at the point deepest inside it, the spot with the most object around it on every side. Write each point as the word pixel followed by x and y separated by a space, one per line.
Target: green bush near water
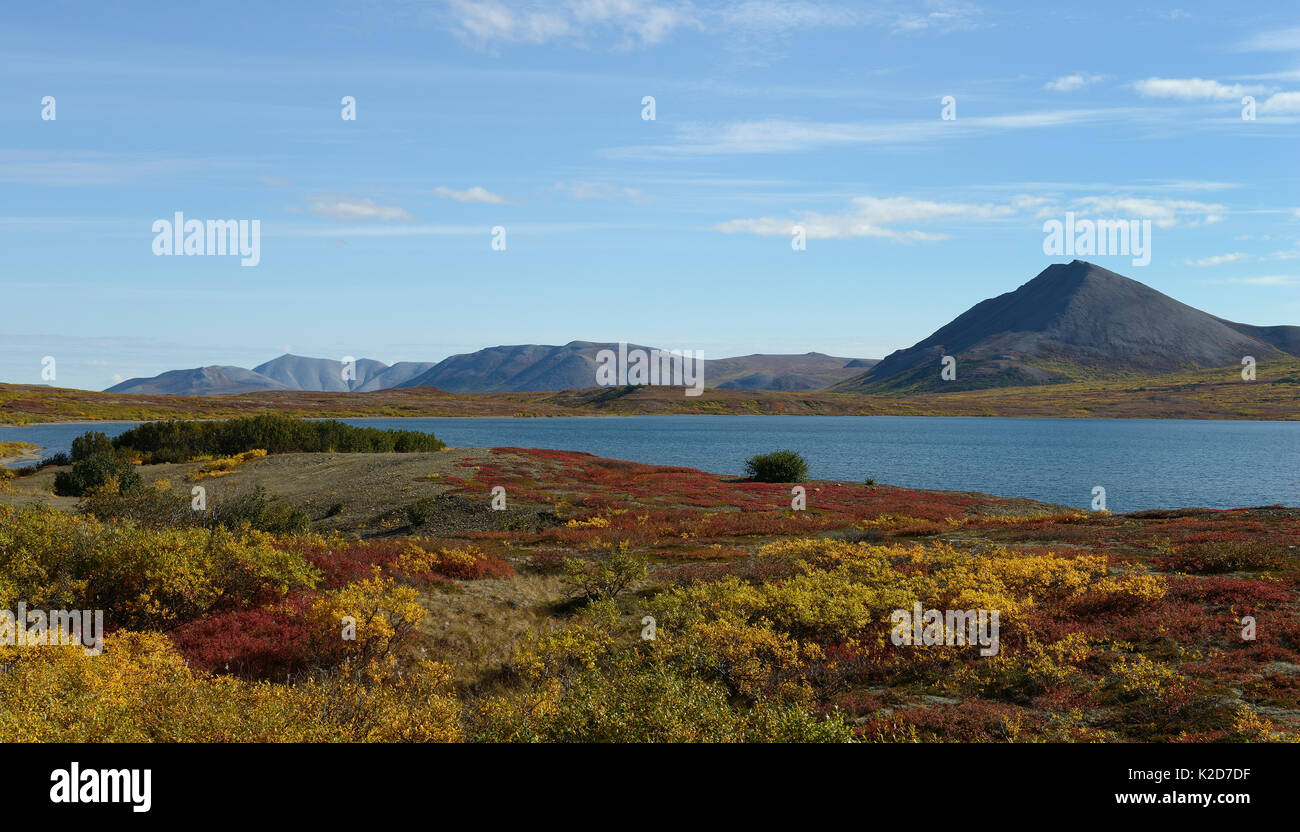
pixel 181 441
pixel 778 466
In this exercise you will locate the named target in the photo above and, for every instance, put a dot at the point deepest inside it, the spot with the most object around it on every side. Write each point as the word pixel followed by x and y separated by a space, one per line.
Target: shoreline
pixel 1063 417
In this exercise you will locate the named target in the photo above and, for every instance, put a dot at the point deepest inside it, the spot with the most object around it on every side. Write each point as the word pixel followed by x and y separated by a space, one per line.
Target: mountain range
pixel 1073 321
pixel 505 369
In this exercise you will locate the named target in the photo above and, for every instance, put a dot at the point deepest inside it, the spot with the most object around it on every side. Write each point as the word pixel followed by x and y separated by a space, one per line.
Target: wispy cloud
pixel 1276 40
pixel 1071 83
pixel 346 209
pixel 630 21
pixel 641 23
pixel 75 167
pixel 1282 102
pixel 599 190
pixel 881 217
pixel 871 217
pixel 474 194
pixel 1165 213
pixel 1194 89
pixel 433 230
pixel 1217 260
pixel 781 136
pixel 1268 280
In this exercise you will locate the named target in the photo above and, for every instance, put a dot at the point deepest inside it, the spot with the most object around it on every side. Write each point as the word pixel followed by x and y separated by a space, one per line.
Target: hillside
pixel 1073 322
pixel 1217 393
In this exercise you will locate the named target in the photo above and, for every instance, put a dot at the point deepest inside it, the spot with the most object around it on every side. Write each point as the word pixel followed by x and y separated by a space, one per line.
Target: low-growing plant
pixel 422 511
pixel 608 574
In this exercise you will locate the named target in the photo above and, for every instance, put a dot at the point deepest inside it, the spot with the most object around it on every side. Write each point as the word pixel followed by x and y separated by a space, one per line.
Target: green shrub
pixel 90 444
pixel 181 441
pixel 96 472
pixel 422 511
pixel 155 508
pixel 778 466
pixel 163 507
pixel 262 510
pixel 607 575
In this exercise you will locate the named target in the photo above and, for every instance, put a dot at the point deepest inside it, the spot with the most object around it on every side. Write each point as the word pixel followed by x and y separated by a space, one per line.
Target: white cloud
pixel 492 21
pixel 1070 83
pixel 1282 102
pixel 649 22
pixel 881 217
pixel 782 136
pixel 474 194
pixel 1216 260
pixel 1165 213
pixel 870 217
pixel 1291 254
pixel 345 209
pixel 432 230
pixel 1194 89
pixel 598 190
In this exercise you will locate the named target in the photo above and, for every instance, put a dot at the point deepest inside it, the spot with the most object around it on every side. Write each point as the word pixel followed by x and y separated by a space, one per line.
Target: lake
pixel 1142 463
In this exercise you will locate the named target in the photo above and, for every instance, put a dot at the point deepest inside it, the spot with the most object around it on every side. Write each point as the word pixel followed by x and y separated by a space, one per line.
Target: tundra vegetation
pixel 616 601
pixel 1218 393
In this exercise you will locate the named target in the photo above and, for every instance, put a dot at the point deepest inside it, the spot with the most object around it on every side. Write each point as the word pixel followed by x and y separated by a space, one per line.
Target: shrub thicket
pixel 182 441
pixel 99 471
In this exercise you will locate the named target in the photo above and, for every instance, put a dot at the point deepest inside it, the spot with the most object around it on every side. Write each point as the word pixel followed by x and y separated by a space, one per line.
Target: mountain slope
pixel 395 375
pixel 298 372
pixel 535 367
pixel 200 381
pixel 1073 321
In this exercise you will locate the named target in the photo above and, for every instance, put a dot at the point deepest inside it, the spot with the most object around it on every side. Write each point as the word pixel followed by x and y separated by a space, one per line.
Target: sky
pixel 376 232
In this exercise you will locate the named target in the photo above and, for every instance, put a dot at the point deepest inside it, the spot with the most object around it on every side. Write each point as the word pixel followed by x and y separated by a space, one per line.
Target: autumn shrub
pixel 651 703
pixel 778 466
pixel 144 579
pixel 140 690
pixel 162 506
pixel 273 642
pixel 606 575
pixel 157 506
pixel 225 465
pixel 1224 556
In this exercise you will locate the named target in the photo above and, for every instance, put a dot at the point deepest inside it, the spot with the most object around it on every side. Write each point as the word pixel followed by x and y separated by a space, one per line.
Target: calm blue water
pixel 1141 463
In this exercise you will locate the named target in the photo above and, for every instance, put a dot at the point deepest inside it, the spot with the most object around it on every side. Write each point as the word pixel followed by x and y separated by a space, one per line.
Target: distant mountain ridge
pixel 515 368
pixel 1072 322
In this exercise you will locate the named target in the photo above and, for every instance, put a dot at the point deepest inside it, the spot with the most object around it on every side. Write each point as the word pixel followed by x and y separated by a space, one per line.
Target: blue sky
pixel 673 231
